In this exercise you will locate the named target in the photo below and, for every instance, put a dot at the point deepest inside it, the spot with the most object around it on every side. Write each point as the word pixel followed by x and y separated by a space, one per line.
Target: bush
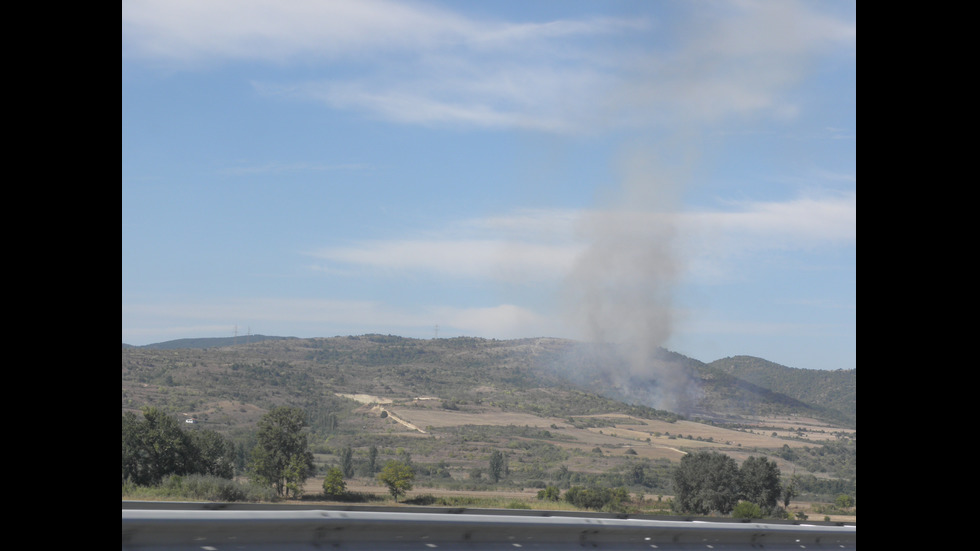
pixel 200 488
pixel 596 498
pixel 550 493
pixel 334 485
pixel 746 510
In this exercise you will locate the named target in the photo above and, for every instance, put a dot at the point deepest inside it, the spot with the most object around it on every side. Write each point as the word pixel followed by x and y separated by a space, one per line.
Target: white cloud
pixel 529 247
pixel 271 30
pixel 416 64
pixel 498 259
pixel 544 245
pixel 800 223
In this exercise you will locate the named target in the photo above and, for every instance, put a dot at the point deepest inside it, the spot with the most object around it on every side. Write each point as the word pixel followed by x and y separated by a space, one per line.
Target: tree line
pixel 705 483
pixel 157 446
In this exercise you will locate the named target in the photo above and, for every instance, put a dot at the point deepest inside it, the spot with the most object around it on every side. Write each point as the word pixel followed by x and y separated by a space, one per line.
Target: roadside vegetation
pixel 163 460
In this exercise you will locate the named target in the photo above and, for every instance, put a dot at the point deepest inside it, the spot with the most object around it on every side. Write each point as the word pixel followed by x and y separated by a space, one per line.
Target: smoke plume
pixel 620 291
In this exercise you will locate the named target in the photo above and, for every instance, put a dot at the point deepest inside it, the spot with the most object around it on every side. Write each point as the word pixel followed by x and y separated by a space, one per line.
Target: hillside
pixel 833 393
pixel 539 376
pixel 559 409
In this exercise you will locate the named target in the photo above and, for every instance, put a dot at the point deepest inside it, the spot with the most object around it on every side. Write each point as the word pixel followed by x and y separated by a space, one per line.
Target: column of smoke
pixel 621 288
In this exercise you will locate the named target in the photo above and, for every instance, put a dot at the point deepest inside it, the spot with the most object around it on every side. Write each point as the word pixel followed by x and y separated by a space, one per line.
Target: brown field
pixel 649 438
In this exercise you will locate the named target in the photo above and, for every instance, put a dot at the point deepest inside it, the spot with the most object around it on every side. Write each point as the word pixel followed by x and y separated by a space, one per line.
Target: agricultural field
pixel 620 438
pixel 648 437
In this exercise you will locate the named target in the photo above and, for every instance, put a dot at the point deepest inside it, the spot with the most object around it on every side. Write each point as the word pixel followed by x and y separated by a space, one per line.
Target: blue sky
pixel 681 174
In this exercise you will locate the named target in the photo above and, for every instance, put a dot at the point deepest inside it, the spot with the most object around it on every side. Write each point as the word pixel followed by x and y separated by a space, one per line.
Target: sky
pixel 676 174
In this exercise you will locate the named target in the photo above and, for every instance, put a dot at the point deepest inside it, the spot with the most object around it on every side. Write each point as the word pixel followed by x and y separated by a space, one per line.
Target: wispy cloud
pixel 799 223
pixel 455 258
pixel 544 245
pixel 417 64
pixel 299 30
pixel 528 247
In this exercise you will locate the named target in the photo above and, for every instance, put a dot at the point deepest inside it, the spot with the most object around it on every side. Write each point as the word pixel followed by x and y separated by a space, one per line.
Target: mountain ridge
pixel 731 386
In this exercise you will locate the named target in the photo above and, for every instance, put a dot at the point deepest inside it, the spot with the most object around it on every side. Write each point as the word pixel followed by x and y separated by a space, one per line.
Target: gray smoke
pixel 620 292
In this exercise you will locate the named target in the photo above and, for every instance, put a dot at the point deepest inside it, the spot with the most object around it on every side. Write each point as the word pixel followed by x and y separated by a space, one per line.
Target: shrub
pixel 201 488
pixel 746 510
pixel 596 498
pixel 333 484
pixel 550 493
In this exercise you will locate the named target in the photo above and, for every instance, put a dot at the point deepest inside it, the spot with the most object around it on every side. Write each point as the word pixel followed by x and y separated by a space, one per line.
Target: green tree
pixel 636 474
pixel 282 456
pixel 760 483
pixel 213 455
pixel 294 475
pixel 789 491
pixel 563 476
pixel 333 484
pixel 154 447
pixel 398 477
pixel 157 446
pixel 373 459
pixel 705 482
pixel 347 462
pixel 498 466
pixel 132 453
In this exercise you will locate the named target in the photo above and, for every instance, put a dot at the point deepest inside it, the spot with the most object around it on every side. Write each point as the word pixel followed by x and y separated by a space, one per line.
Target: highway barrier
pixel 288 530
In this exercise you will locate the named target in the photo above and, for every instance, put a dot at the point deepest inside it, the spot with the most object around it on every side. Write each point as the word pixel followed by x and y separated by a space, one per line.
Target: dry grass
pixel 653 439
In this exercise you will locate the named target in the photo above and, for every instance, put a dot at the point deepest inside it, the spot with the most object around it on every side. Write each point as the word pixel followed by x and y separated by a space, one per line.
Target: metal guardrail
pixel 288 530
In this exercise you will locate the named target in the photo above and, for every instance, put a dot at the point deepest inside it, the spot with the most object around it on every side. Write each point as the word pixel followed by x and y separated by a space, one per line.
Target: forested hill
pixel 835 391
pixel 542 375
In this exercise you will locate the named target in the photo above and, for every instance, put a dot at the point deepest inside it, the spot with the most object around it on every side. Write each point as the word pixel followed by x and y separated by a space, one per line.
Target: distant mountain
pixel 541 376
pixel 209 342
